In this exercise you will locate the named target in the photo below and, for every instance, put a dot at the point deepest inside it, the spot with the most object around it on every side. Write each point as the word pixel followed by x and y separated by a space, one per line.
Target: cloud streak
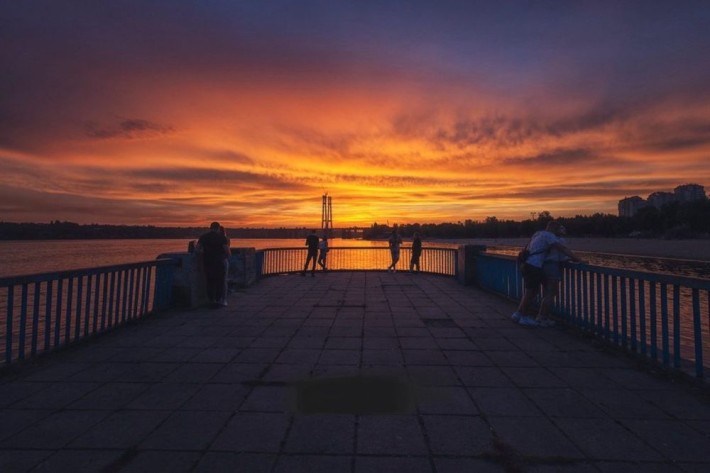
pixel 138 113
pixel 133 128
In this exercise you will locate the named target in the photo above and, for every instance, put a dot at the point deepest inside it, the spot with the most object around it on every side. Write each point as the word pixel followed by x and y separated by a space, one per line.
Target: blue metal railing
pixel 45 311
pixel 662 317
pixel 659 316
pixel 290 260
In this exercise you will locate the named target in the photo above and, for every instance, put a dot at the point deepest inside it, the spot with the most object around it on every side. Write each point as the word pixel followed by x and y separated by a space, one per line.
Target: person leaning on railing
pixel 542 268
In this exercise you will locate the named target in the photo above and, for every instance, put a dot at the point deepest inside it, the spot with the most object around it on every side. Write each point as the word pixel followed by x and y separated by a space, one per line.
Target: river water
pixel 39 256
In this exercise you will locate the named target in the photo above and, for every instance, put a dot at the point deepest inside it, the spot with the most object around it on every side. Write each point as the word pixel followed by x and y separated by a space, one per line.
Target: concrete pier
pixel 348 372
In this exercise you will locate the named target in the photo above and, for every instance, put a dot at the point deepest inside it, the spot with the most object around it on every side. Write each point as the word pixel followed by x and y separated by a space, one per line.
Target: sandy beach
pixel 678 249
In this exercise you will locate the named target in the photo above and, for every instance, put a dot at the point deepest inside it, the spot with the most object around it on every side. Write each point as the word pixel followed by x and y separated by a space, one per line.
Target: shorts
pixel 552 270
pixel 533 276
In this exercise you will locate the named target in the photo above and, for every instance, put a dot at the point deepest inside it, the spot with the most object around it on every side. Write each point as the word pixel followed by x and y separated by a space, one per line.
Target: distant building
pixel 659 199
pixel 630 205
pixel 689 193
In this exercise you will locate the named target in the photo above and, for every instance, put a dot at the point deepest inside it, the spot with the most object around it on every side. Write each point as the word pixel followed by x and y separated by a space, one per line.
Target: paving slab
pixel 205 390
pixel 78 461
pixel 322 433
pixel 122 429
pixel 22 460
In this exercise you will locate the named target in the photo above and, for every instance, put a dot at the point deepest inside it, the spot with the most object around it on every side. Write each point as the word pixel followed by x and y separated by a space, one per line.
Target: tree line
pixel 62 230
pixel 674 220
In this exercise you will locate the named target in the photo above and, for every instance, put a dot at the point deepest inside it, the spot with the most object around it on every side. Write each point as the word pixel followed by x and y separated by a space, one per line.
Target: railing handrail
pixel 304 248
pixel 604 311
pixel 45 311
pixel 690 282
pixel 660 316
pixel 435 260
pixel 6 281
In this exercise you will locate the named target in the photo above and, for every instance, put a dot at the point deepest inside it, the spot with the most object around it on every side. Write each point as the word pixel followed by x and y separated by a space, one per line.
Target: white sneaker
pixel 528 321
pixel 516 316
pixel 224 303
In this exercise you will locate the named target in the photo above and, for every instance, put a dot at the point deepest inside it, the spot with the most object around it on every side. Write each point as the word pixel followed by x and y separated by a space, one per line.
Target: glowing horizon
pixel 247 114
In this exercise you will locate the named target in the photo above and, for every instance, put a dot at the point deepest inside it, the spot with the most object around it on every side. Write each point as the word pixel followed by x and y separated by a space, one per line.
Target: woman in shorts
pixel 542 269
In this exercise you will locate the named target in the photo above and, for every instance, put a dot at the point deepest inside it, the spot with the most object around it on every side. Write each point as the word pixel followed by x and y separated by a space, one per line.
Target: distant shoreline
pixel 695 249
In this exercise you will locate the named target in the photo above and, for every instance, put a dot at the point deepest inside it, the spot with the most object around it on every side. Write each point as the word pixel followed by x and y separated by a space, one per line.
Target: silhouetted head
pixel 214 226
pixel 553 227
pixel 222 230
pixel 416 234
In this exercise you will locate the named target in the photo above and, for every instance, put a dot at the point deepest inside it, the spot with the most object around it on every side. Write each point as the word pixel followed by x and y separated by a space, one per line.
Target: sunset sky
pixel 181 112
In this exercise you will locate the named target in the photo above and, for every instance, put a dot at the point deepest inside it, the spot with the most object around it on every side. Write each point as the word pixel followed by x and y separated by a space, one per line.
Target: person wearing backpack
pixel 213 249
pixel 312 244
pixel 537 273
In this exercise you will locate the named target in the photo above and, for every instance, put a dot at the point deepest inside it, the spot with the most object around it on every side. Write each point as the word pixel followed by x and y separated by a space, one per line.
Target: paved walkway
pixel 417 374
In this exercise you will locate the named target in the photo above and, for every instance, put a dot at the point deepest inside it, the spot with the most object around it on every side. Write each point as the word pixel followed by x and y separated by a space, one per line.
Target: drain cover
pixel 355 395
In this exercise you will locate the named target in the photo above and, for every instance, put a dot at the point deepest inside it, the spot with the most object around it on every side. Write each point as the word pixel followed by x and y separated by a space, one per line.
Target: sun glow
pixel 407 115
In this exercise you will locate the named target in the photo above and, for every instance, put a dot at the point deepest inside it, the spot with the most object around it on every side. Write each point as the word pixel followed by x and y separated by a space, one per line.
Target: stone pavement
pixel 347 372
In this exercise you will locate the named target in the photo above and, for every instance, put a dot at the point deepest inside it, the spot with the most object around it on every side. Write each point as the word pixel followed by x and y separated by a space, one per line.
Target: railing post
pixel 8 327
pixel 632 313
pixel 164 274
pixel 466 263
pixel 665 346
pixel 59 300
pixel 697 335
pixel 259 264
pixel 676 326
pixel 35 319
pixel 23 323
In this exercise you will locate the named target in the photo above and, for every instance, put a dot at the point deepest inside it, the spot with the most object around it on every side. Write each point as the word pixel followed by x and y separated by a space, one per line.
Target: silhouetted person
pixel 536 273
pixel 323 247
pixel 214 248
pixel 312 244
pixel 416 252
pixel 394 242
pixel 223 231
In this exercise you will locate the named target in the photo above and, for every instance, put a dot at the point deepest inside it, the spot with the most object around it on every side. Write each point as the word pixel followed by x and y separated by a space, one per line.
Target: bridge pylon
pixel 326 224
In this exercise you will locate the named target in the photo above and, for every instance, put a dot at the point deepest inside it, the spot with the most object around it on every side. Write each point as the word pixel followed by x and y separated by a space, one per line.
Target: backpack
pixel 524 254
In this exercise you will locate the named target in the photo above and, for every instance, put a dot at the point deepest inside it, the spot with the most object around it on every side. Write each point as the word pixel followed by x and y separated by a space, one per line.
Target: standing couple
pixel 541 268
pixel 395 241
pixel 316 249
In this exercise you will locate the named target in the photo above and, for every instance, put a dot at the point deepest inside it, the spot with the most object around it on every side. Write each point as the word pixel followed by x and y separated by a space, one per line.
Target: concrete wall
pixel 188 286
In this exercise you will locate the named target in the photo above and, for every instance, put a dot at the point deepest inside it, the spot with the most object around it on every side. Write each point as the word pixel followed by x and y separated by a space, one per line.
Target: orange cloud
pixel 421 117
